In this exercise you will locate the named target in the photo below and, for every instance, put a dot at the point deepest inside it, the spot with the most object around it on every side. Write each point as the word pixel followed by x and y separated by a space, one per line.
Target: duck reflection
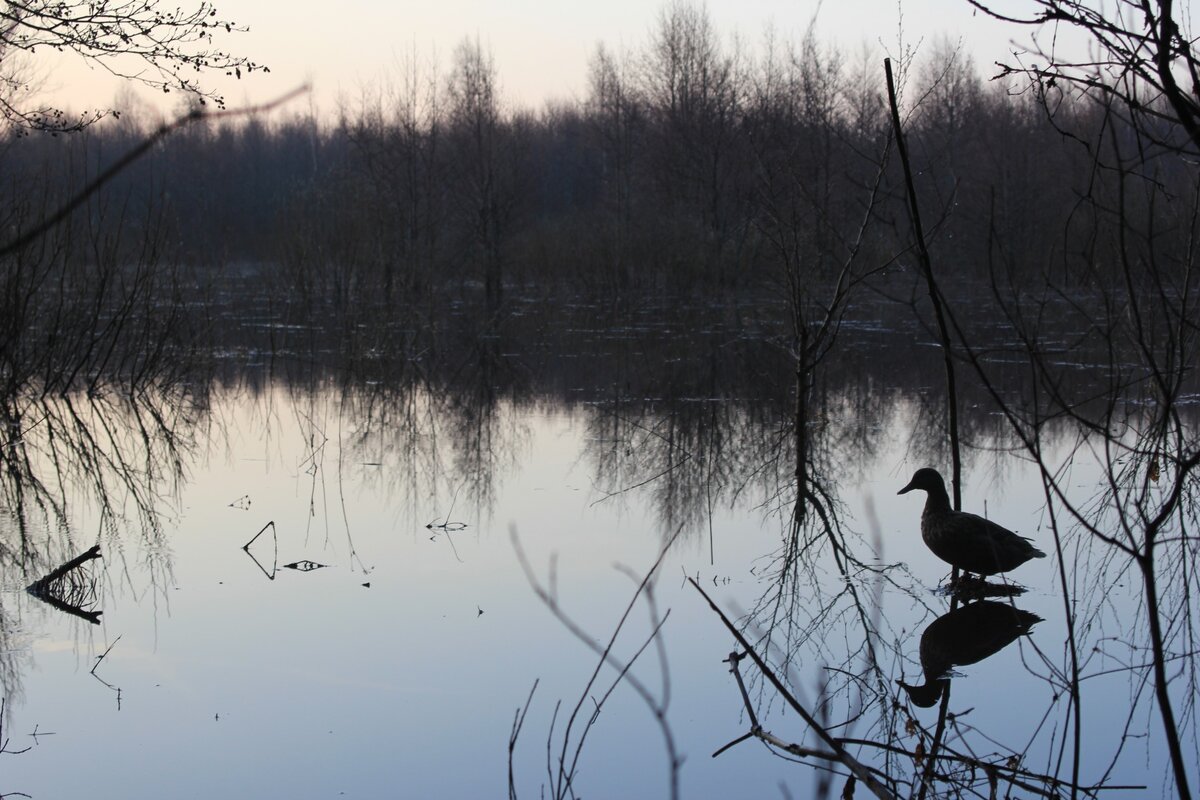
pixel 963 636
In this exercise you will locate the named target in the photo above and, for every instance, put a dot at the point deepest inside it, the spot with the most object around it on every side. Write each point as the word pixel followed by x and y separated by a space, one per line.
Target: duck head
pixel 926 478
pixel 926 694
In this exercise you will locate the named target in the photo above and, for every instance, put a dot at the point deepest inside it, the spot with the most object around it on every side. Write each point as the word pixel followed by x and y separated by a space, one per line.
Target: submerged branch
pixel 48 588
pixel 40 585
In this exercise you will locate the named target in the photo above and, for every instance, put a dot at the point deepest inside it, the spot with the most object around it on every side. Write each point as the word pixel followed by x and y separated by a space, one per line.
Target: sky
pixel 541 47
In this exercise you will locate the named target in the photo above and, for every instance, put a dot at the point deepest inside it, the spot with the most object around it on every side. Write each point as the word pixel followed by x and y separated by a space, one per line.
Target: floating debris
pixel 275 557
pixel 70 589
pixel 304 566
pixel 448 527
pixel 38 733
pixel 99 659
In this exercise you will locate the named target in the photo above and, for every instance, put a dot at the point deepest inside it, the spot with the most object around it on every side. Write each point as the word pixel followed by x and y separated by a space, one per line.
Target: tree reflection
pixel 121 457
pixel 436 419
pixel 827 601
pixel 444 426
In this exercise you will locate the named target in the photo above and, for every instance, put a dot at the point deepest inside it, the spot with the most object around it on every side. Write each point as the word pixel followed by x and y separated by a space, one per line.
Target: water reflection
pixel 273 549
pixel 963 636
pixel 71 589
pixel 565 425
pixel 119 457
pixel 116 461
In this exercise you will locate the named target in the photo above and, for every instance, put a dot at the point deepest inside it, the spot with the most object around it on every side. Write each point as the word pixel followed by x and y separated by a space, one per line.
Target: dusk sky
pixel 541 48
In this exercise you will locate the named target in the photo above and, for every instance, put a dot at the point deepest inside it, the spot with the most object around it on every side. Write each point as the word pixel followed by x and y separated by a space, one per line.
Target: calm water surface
pixel 394 664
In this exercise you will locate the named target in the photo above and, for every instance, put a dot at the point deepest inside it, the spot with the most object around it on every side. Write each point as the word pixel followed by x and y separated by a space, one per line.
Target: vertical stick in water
pixel 934 294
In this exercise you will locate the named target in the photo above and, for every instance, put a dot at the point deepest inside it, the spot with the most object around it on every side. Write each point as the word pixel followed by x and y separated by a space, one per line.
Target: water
pixel 396 667
pixel 315 683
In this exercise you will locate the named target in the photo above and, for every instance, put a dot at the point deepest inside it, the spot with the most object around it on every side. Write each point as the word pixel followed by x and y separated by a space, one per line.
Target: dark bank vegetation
pixel 691 164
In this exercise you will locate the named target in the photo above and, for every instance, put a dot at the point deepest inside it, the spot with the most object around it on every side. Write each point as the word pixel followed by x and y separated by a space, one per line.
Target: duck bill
pixel 908 488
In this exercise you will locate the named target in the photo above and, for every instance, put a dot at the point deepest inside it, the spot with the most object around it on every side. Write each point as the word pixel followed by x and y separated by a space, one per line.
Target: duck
pixel 966 635
pixel 963 540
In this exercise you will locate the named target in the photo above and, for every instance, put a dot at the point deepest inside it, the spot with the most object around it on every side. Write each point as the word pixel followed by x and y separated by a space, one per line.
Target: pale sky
pixel 541 48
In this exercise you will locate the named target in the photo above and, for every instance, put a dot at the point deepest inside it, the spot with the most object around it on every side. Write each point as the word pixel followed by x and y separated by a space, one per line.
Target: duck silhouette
pixel 966 635
pixel 963 540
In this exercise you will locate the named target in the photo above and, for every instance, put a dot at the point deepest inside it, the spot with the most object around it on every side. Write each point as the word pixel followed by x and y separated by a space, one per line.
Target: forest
pixel 691 163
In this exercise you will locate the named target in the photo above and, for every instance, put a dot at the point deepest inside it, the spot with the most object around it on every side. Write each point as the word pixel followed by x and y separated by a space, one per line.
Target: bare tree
pixel 1140 55
pixel 617 121
pixel 140 40
pixel 694 89
pixel 1129 264
pixel 484 158
pixel 395 134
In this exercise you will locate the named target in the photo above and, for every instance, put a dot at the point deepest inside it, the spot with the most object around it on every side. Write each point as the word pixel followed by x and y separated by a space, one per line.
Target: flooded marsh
pixel 311 578
pixel 763 421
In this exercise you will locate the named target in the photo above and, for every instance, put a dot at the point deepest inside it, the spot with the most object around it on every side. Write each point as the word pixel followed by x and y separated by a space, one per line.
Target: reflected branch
pixel 275 551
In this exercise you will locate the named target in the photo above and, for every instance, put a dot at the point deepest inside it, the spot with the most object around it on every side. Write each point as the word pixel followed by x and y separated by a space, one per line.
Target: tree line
pixel 690 163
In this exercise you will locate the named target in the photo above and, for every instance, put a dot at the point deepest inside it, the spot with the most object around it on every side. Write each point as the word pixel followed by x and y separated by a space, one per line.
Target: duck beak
pixel 907 488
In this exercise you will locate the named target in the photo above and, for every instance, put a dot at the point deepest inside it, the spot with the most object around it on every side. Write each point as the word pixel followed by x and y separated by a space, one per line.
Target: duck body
pixel 964 540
